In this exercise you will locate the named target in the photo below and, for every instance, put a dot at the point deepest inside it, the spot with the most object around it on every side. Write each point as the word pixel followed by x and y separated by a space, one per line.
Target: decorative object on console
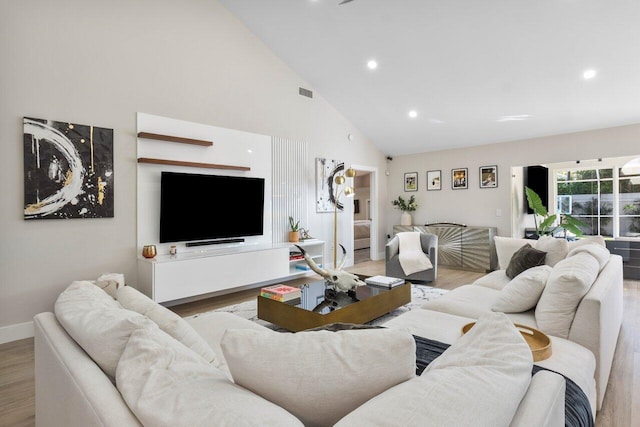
pixel 405 207
pixel 488 176
pixel 434 180
pixel 294 233
pixel 411 181
pixel 149 251
pixel 68 170
pixel 304 234
pixel 459 178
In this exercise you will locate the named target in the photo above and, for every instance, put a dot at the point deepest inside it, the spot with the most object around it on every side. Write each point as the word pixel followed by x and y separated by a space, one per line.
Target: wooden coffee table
pixel 298 315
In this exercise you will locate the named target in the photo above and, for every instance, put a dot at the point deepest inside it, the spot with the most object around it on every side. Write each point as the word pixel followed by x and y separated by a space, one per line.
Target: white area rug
pixel 419 295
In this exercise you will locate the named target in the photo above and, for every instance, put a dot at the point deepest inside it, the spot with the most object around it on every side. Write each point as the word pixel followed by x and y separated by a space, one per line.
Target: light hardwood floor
pixel 621 405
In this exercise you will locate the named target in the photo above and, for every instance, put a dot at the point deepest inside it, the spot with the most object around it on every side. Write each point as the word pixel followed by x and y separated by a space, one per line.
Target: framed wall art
pixel 488 176
pixel 459 178
pixel 411 181
pixel 434 180
pixel 326 171
pixel 68 170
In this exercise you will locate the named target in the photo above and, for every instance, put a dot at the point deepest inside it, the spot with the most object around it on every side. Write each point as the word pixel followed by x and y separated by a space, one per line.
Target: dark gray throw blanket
pixel 576 405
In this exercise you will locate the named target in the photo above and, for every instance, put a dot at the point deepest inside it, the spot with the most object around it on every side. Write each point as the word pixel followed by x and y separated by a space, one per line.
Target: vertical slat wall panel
pixel 289 186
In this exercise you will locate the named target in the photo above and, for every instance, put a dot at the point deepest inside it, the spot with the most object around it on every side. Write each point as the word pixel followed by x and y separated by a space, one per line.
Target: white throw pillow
pixel 167 320
pixel 587 240
pixel 320 376
pixel 600 253
pixel 98 323
pixel 556 249
pixel 478 381
pixel 523 292
pixel 568 282
pixel 507 246
pixel 166 384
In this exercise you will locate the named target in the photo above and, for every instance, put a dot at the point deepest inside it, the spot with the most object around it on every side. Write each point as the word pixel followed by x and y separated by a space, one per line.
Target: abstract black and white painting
pixel 326 171
pixel 68 170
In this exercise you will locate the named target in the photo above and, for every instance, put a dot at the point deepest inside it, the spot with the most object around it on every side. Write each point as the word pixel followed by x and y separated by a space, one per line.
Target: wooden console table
pixel 461 247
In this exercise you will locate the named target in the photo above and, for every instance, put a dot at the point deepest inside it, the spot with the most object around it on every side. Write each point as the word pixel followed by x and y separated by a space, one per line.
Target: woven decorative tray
pixel 538 341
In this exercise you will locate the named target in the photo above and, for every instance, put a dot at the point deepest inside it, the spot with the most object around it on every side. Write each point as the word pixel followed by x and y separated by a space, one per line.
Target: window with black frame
pixel 587 195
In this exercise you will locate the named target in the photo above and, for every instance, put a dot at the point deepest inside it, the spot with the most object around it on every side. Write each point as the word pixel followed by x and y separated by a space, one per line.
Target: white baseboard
pixel 16 332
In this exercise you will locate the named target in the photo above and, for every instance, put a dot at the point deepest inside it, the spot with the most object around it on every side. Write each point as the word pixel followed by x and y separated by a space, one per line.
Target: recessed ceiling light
pixel 372 64
pixel 589 74
pixel 413 114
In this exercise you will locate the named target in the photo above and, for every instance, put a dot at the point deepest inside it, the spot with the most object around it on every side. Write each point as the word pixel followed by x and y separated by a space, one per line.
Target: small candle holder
pixel 149 251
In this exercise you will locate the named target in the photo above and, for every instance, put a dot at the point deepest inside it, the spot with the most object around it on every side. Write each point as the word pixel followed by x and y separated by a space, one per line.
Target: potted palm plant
pixel 294 233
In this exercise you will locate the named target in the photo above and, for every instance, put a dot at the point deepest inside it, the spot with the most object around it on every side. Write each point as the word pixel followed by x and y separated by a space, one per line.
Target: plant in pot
pixel 294 233
pixel 405 207
pixel 547 224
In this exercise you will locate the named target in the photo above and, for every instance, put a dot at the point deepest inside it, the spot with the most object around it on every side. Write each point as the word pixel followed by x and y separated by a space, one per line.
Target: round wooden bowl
pixel 538 341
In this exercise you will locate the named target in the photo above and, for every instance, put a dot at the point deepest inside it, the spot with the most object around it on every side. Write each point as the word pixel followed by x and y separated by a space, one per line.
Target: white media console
pixel 167 278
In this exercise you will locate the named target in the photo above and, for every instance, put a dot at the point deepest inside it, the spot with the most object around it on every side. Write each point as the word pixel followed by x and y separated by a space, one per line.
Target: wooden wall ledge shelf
pixel 191 164
pixel 179 139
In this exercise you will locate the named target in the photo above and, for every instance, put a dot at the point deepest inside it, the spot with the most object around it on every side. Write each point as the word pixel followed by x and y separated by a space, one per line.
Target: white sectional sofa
pixel 99 363
pixel 118 359
pixel 584 352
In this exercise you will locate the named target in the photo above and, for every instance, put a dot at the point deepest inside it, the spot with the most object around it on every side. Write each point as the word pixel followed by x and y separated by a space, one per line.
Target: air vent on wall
pixel 305 92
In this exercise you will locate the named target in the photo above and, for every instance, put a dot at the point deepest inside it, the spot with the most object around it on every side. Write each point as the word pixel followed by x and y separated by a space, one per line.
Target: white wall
pixel 101 62
pixel 480 207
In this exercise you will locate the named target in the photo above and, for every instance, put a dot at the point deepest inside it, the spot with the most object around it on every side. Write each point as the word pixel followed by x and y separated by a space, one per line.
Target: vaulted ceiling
pixel 473 72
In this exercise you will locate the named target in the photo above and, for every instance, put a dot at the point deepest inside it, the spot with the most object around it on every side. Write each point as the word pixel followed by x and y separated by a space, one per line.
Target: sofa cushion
pixel 497 279
pixel 211 327
pixel 556 249
pixel 587 240
pixel 320 376
pixel 506 247
pixel 523 292
pixel 98 323
pixel 167 320
pixel 478 381
pixel 466 301
pixel 543 404
pixel 523 259
pixel 167 384
pixel 568 282
pixel 600 253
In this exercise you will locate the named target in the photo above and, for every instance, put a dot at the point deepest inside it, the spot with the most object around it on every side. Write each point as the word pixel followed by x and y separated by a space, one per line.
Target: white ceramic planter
pixel 405 218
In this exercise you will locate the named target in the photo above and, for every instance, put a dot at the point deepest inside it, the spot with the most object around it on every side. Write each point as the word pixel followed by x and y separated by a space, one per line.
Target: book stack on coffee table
pixel 385 281
pixel 282 293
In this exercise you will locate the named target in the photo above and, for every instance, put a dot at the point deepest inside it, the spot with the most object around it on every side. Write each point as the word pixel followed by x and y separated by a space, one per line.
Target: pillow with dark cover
pixel 523 259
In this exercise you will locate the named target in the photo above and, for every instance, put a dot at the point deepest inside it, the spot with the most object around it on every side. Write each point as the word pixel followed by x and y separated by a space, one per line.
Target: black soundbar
pixel 213 242
pixel 453 224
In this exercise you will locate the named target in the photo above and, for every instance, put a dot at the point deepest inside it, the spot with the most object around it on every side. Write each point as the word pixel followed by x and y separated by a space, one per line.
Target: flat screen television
pixel 196 207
